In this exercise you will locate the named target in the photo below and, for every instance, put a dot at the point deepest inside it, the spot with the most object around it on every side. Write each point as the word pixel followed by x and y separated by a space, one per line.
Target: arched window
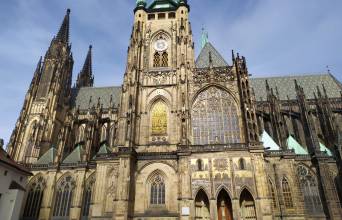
pixel 310 191
pixel 156 60
pixel 272 192
pixel 34 199
pixel 202 210
pixel 80 133
pixel 64 193
pixel 157 191
pixel 215 118
pixel 104 132
pixel 112 135
pixel 87 196
pixel 287 193
pixel 242 164
pixel 159 118
pixel 165 59
pixel 199 165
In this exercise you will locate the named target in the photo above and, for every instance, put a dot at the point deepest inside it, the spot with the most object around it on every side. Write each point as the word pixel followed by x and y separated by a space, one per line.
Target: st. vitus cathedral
pixel 181 138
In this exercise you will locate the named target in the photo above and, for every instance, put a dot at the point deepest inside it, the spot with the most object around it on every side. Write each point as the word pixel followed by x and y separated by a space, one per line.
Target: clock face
pixel 160 45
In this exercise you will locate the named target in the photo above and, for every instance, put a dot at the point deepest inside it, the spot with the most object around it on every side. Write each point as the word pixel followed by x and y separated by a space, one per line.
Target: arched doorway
pixel 247 206
pixel 202 208
pixel 224 206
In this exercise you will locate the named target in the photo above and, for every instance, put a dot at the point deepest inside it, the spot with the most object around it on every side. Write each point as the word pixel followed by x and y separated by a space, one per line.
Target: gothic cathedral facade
pixel 182 138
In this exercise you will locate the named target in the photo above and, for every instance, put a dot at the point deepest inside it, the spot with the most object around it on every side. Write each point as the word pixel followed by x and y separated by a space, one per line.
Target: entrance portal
pixel 224 206
pixel 247 205
pixel 202 206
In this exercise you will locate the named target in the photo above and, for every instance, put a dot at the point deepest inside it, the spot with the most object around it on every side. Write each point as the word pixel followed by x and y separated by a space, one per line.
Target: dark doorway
pixel 224 206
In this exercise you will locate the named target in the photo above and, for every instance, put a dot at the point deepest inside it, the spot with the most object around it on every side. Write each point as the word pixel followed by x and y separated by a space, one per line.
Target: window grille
pixel 63 199
pixel 157 191
pixel 215 118
pixel 156 60
pixel 287 194
pixel 87 197
pixel 34 199
pixel 310 191
pixel 165 60
pixel 273 195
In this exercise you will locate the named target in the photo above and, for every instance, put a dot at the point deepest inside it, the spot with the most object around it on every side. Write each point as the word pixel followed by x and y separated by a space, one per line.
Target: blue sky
pixel 278 37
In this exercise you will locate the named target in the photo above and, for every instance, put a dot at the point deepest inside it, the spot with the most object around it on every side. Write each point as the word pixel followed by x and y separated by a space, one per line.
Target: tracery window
pixel 64 194
pixel 310 191
pixel 215 118
pixel 273 195
pixel 156 60
pixel 165 59
pixel 34 199
pixel 287 193
pixel 87 196
pixel 159 118
pixel 157 191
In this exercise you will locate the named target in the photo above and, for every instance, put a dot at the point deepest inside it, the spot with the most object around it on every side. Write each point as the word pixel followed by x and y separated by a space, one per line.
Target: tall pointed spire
pixel 204 38
pixel 63 33
pixel 85 78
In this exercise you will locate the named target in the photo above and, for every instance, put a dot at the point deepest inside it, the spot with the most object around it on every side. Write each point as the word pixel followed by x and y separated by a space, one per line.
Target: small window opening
pixel 151 16
pixel 172 15
pixel 161 16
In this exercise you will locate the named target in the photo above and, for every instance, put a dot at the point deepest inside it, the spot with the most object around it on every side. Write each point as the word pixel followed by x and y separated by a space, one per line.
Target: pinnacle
pixel 63 33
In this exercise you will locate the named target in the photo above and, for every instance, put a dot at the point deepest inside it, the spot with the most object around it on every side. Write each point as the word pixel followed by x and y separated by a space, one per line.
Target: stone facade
pixel 180 139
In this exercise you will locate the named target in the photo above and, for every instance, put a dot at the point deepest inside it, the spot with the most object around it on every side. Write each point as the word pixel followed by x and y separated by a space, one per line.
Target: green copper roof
pixel 204 38
pixel 163 4
pixel 323 148
pixel 104 149
pixel 75 156
pixel 269 142
pixel 202 60
pixel 48 157
pixel 294 145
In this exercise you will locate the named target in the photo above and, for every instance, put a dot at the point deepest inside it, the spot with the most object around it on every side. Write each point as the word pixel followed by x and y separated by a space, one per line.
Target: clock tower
pixel 160 60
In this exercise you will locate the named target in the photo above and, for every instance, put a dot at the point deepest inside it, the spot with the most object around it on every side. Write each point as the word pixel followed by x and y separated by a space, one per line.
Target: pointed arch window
pixel 309 188
pixel 242 164
pixel 80 133
pixel 156 59
pixel 87 197
pixel 104 132
pixel 159 118
pixel 272 192
pixel 247 205
pixel 287 193
pixel 157 191
pixel 63 199
pixel 165 59
pixel 34 199
pixel 199 165
pixel 214 118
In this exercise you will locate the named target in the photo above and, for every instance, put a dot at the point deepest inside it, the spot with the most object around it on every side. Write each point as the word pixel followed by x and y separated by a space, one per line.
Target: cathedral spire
pixel 204 38
pixel 85 78
pixel 63 33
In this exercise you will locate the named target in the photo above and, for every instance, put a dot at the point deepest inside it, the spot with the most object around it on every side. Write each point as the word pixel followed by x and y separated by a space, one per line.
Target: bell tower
pixel 160 57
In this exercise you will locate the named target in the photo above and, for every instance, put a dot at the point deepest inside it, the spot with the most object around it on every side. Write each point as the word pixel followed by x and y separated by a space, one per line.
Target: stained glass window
pixel 310 191
pixel 287 194
pixel 215 118
pixel 165 60
pixel 156 60
pixel 87 196
pixel 34 199
pixel 273 195
pixel 64 193
pixel 157 191
pixel 159 119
